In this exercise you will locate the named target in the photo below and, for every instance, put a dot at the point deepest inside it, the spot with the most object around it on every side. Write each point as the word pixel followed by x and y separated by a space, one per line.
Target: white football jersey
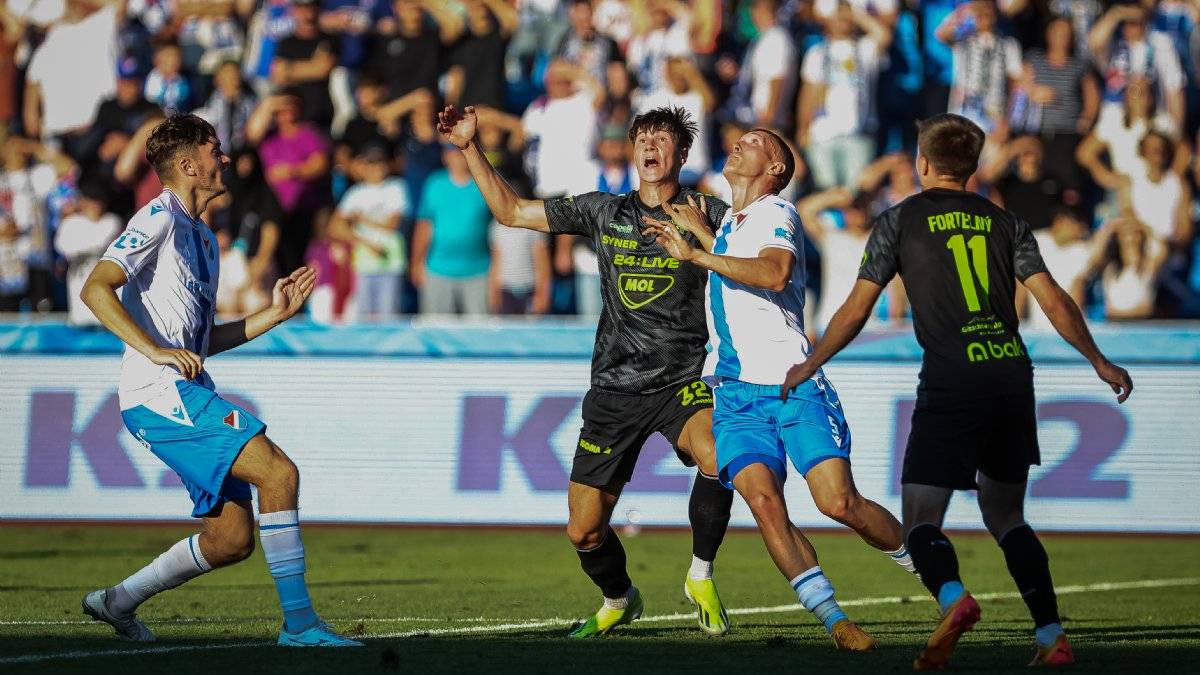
pixel 171 262
pixel 755 335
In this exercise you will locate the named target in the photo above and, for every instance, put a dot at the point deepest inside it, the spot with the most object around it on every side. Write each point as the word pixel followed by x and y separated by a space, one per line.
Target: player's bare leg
pixel 924 508
pixel 795 556
pixel 1003 507
pixel 601 556
pixel 264 465
pixel 227 538
pixel 832 486
pixel 708 513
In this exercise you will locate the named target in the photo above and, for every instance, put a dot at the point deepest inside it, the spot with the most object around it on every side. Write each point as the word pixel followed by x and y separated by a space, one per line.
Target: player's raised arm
pixel 504 203
pixel 100 295
pixel 287 298
pixel 1064 314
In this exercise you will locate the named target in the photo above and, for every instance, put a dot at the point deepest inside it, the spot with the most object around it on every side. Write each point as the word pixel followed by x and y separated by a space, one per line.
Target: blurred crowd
pixel 327 107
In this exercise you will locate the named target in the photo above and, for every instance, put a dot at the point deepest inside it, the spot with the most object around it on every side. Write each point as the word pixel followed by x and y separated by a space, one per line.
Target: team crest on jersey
pixel 639 290
pixel 234 420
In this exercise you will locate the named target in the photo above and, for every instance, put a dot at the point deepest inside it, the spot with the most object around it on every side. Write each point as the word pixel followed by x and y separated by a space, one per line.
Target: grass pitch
pixel 464 600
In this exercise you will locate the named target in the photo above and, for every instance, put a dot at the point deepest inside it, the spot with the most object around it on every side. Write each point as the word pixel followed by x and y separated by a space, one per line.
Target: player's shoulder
pixel 157 216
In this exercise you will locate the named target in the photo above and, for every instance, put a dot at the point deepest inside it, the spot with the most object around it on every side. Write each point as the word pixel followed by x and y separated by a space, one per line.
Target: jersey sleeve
pixel 578 214
pixel 881 259
pixel 140 242
pixel 781 232
pixel 1027 257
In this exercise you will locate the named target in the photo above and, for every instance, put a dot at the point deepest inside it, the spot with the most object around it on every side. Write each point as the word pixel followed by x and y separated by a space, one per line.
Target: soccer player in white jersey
pixel 755 312
pixel 165 264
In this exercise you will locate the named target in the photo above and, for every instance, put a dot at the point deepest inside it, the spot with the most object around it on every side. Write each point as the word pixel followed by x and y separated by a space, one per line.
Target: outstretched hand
pixel 669 238
pixel 290 292
pixel 457 128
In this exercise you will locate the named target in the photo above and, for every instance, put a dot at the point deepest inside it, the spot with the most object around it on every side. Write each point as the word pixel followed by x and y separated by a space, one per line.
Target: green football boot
pixel 710 613
pixel 608 618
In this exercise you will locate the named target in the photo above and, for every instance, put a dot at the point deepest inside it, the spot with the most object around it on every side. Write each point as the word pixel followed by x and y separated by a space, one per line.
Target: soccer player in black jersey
pixel 974 426
pixel 650 349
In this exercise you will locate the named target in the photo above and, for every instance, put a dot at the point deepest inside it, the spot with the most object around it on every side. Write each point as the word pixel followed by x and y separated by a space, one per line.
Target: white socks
pixel 701 569
pixel 172 568
pixel 902 558
pixel 621 602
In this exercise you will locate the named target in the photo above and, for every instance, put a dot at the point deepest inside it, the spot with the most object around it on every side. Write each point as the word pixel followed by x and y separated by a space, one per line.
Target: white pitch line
pixel 546 623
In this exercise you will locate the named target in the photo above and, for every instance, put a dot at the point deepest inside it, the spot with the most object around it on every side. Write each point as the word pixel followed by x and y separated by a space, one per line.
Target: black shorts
pixel 616 426
pixel 950 442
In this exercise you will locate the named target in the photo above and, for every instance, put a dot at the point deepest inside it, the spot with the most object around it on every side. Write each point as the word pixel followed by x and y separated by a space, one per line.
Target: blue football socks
pixel 280 535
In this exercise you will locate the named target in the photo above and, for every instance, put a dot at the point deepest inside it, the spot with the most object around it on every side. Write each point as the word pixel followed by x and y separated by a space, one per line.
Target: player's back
pixel 171 263
pixel 959 256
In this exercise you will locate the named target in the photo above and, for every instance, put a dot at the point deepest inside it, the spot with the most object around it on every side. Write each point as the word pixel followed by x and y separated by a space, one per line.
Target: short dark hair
pixel 951 143
pixel 1168 145
pixel 789 159
pixel 173 135
pixel 674 120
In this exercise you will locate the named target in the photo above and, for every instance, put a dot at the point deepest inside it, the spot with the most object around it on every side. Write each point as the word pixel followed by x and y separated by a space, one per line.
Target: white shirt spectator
pixel 26 190
pixel 698 159
pixel 379 201
pixel 1066 263
pixel 37 12
pixel 515 248
pixel 613 19
pixel 562 133
pixel 74 66
pixel 770 57
pixel 647 54
pixel 1122 141
pixel 848 69
pixel 1154 57
pixel 827 8
pixel 1128 289
pixel 756 334
pixel 1156 204
pixel 841 253
pixel 81 241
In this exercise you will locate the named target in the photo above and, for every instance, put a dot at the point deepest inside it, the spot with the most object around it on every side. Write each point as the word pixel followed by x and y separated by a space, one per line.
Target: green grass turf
pixel 453 578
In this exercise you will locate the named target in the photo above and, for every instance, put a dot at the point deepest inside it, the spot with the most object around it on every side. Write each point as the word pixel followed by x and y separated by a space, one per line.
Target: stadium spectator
pixel 15 250
pixel 1118 132
pixel 836 116
pixel 519 277
pixel 451 256
pixel 304 60
pixel 1160 196
pixel 1067 253
pixel 1134 50
pixel 889 180
pixel 133 171
pixel 1017 174
pixel 81 239
pixel 1128 257
pixel 586 47
pixel 332 301
pixel 839 226
pixel 1063 102
pixel 408 53
pixel 986 66
pixel 1083 15
pixel 663 33
pixel 352 25
pixel 369 216
pixel 71 72
pixel 230 107
pixel 763 93
pixel 270 23
pixel 560 130
pixel 119 117
pixel 476 73
pixel 249 217
pixel 687 89
pixel 11 30
pixel 166 85
pixel 295 158
pixel 209 35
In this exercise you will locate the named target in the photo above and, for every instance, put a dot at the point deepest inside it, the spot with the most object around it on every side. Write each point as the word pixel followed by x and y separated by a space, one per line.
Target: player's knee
pixel 766 505
pixel 999 522
pixel 584 537
pixel 284 476
pixel 231 547
pixel 838 506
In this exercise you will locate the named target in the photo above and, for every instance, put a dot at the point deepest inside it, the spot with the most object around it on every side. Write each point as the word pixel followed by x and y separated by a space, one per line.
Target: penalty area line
pixel 546 623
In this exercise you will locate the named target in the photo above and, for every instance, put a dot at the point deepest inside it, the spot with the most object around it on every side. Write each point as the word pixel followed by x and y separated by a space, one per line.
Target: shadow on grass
pixel 356 583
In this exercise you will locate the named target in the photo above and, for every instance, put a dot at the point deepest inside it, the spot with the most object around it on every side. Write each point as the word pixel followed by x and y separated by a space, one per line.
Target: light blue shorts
pixel 752 426
pixel 201 452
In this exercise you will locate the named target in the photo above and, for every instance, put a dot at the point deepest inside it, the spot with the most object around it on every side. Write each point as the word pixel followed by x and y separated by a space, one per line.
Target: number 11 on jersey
pixel 958 245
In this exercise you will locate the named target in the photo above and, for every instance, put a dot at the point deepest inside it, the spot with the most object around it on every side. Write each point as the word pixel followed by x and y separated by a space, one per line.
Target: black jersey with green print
pixel 959 256
pixel 652 330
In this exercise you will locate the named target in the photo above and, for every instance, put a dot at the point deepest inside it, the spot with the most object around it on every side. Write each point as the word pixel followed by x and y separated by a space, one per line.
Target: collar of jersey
pixel 179 206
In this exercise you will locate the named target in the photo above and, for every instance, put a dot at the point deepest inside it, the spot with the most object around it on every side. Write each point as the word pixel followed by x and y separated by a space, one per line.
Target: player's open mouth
pixel 649 162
